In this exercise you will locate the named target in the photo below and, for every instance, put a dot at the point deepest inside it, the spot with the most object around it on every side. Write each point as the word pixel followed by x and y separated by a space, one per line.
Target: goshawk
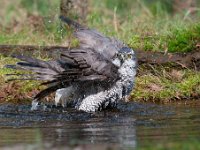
pixel 96 74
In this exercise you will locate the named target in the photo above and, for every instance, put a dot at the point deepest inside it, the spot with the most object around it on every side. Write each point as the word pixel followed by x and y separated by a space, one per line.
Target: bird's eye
pixel 129 56
pixel 118 55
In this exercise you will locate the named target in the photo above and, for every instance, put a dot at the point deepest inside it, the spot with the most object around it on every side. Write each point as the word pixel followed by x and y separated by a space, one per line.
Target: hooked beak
pixel 117 61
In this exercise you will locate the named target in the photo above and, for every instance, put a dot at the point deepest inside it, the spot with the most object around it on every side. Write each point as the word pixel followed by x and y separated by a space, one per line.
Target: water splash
pixel 37 106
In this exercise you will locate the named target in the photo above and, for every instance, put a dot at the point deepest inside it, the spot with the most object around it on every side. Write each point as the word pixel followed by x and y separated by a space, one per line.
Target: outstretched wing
pixel 92 61
pixel 90 38
pixel 75 65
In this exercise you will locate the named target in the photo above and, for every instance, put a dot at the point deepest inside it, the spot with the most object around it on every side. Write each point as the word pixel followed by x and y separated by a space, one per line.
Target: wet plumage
pixel 98 73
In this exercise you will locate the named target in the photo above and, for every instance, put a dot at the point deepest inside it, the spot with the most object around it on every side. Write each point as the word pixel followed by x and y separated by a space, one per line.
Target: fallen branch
pixel 189 60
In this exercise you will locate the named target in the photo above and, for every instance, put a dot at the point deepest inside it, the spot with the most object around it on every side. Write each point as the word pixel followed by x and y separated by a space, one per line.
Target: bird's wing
pixel 75 65
pixel 90 38
pixel 92 65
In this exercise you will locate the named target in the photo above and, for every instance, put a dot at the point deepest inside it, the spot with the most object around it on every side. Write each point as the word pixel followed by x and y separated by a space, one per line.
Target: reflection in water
pixel 50 134
pixel 130 126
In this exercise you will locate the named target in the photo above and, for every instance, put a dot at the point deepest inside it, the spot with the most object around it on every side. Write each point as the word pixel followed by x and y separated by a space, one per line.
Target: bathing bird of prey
pixel 98 73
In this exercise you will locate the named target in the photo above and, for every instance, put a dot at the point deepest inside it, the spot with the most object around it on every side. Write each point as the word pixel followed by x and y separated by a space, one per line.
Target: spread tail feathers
pixel 42 70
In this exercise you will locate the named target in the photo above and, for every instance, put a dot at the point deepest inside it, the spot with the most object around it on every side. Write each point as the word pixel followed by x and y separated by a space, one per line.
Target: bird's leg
pixel 63 95
pixel 95 102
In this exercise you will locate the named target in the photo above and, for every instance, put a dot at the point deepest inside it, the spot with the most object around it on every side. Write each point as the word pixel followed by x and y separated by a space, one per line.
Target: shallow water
pixel 131 126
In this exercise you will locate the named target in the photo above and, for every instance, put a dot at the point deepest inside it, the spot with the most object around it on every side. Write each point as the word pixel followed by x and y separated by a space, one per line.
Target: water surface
pixel 131 126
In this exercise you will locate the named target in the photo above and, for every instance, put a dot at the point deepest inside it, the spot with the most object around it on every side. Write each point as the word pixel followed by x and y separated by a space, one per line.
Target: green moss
pixel 29 86
pixel 17 91
pixel 144 43
pixel 161 89
pixel 183 39
pixel 191 143
pixel 149 87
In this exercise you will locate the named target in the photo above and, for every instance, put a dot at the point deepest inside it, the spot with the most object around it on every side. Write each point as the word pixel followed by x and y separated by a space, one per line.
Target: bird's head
pixel 125 54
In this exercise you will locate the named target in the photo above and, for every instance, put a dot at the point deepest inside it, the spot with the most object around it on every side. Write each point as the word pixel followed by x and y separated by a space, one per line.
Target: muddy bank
pixel 161 78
